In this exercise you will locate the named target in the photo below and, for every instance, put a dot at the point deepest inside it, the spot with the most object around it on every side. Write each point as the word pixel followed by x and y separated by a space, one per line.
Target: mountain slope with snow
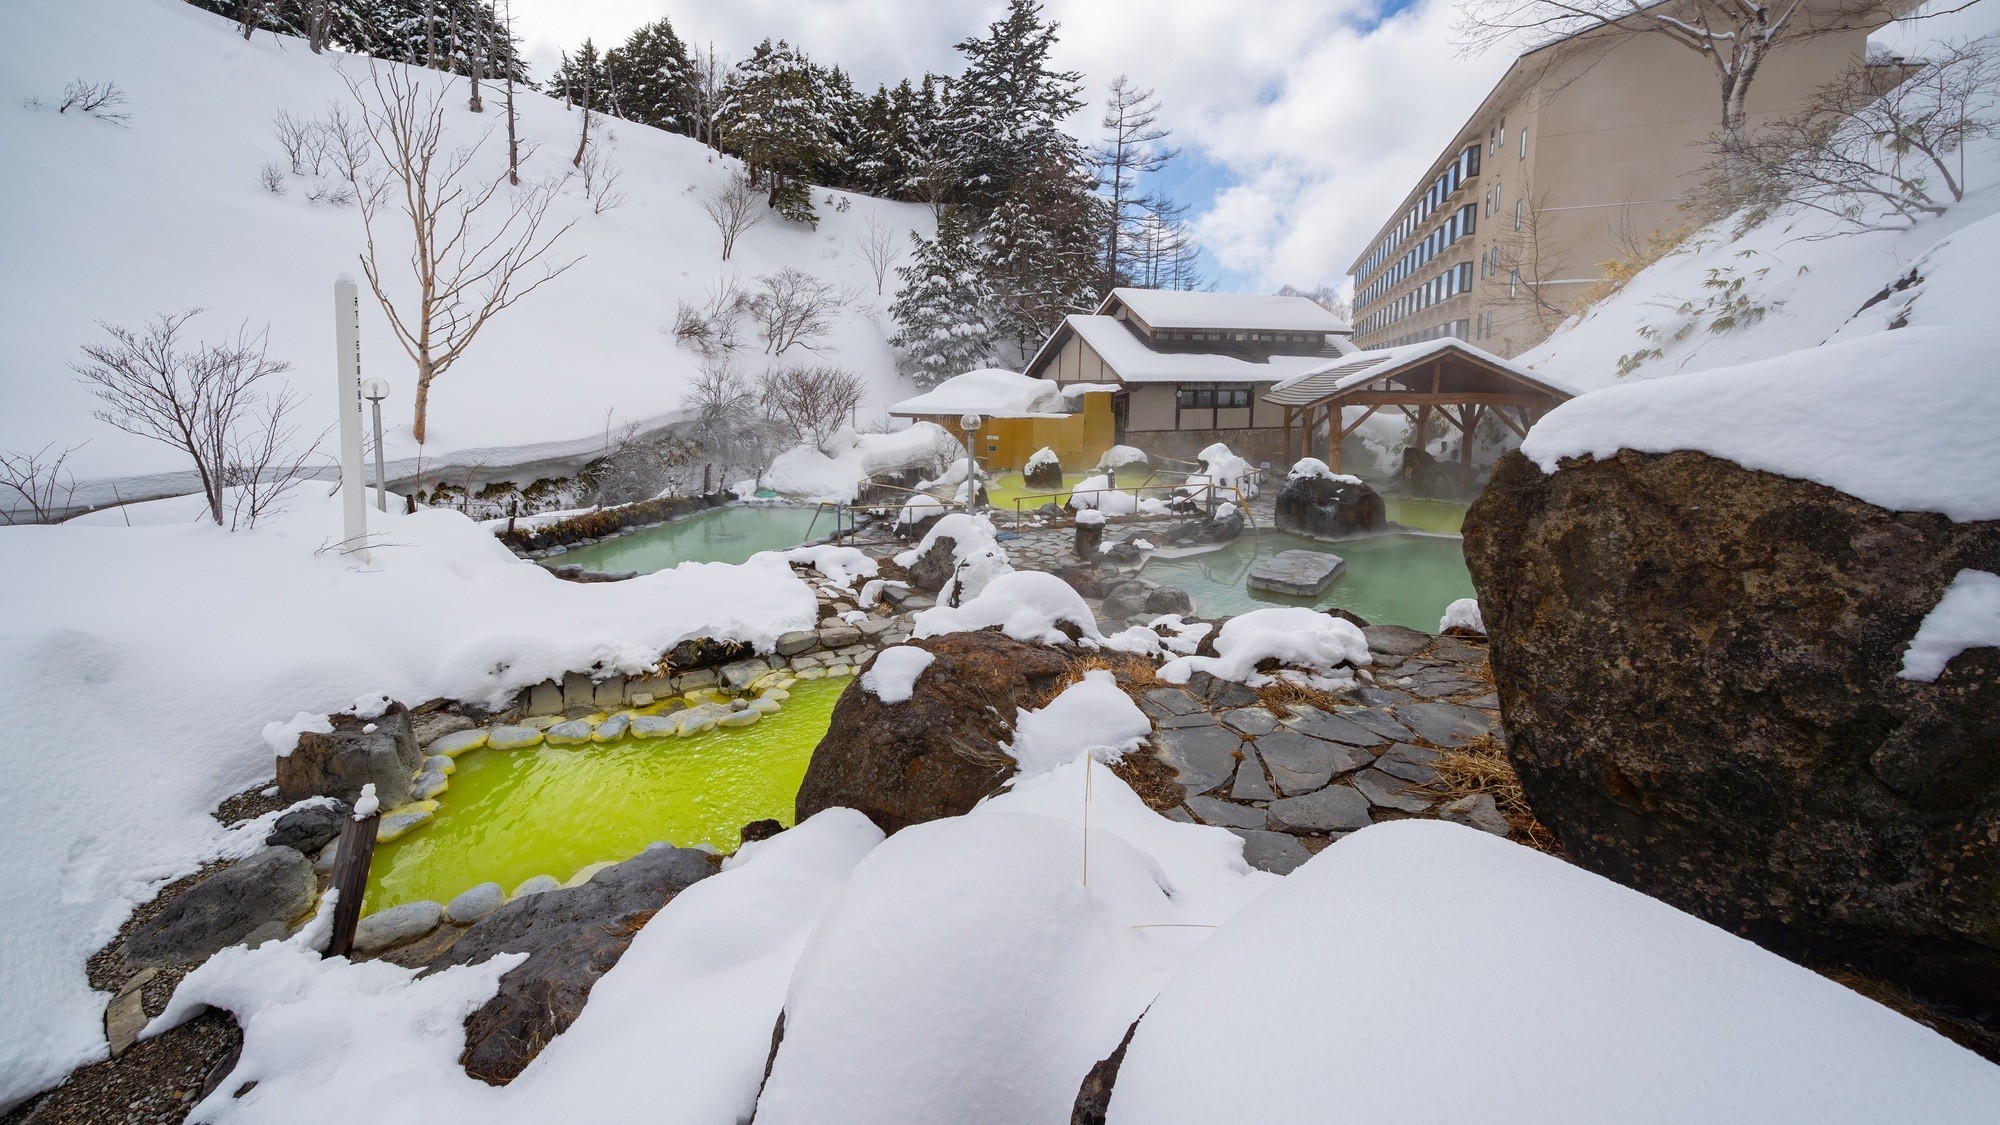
pixel 118 223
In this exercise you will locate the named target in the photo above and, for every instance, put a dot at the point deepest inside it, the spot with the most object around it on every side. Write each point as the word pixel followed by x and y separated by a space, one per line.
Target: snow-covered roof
pixel 1350 371
pixel 997 393
pixel 1134 362
pixel 1246 312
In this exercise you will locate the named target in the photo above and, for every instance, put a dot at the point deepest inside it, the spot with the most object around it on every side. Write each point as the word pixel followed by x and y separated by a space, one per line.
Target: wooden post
pixel 1334 420
pixel 1468 419
pixel 350 878
pixel 1288 437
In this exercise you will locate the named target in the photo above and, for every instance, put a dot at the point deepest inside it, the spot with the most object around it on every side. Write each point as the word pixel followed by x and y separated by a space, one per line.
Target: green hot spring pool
pixel 510 815
pixel 1389 580
pixel 729 535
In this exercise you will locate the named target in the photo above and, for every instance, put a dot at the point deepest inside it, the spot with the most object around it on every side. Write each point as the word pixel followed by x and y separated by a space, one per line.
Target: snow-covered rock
pixel 1313 648
pixel 893 675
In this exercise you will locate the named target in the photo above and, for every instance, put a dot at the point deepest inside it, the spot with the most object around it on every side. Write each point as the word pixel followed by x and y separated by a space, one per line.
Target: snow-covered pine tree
pixel 651 73
pixel 1006 107
pixel 775 115
pixel 1042 260
pixel 447 34
pixel 580 79
pixel 942 313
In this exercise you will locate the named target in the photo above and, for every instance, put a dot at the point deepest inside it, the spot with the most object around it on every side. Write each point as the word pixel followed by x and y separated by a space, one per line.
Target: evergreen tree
pixel 1006 108
pixel 582 80
pixel 942 312
pixel 1131 148
pixel 651 74
pixel 1042 258
pixel 777 114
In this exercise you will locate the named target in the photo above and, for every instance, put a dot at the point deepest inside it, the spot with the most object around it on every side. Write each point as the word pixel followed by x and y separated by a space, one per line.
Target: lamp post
pixel 970 424
pixel 347 400
pixel 375 390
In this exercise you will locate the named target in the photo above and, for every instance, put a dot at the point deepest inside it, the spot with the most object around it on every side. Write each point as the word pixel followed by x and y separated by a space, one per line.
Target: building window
pixel 1517 214
pixel 1524 144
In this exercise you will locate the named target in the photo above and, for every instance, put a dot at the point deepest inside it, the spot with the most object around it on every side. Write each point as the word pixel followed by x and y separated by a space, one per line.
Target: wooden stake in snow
pixel 347 398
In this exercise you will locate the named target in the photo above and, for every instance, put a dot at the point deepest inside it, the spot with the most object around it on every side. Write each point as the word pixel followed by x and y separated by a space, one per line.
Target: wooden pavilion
pixel 1446 378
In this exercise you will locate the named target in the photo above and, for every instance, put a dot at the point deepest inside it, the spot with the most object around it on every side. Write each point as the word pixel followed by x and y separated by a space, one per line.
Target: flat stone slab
pixel 1276 852
pixel 1395 640
pixel 1411 763
pixel 1214 810
pixel 1299 573
pixel 1446 724
pixel 1301 764
pixel 1251 784
pixel 1334 728
pixel 1250 720
pixel 1203 757
pixel 1336 808
pixel 1171 701
pixel 1386 791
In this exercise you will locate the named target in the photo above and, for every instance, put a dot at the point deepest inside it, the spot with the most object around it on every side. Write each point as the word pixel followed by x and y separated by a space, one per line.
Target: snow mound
pixel 840 565
pixel 1312 467
pixel 918 509
pixel 1897 419
pixel 283 736
pixel 1967 616
pixel 1316 649
pixel 974 971
pixel 1463 614
pixel 805 473
pixel 1119 456
pixel 1502 983
pixel 1226 470
pixel 975 550
pixel 1042 456
pixel 892 678
pixel 991 392
pixel 1092 716
pixel 1027 605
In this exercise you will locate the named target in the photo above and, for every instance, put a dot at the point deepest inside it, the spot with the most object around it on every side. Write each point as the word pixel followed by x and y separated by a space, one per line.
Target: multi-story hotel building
pixel 1584 148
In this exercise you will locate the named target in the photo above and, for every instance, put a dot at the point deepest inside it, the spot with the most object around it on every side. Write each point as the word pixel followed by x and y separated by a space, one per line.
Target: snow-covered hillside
pixel 119 223
pixel 1800 280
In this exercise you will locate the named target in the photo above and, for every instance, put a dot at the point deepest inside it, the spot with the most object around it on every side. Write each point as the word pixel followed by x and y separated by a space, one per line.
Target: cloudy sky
pixel 1301 121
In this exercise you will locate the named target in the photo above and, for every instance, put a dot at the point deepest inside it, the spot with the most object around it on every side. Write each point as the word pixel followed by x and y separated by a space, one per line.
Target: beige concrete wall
pixel 1614 140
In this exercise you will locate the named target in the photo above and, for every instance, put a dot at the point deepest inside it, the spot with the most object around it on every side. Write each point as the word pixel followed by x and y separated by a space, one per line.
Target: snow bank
pixel 1898 419
pixel 1967 616
pixel 160 654
pixel 975 551
pixel 971 971
pixel 892 677
pixel 1463 614
pixel 1315 649
pixel 1092 716
pixel 676 1032
pixel 1027 605
pixel 805 473
pixel 1500 983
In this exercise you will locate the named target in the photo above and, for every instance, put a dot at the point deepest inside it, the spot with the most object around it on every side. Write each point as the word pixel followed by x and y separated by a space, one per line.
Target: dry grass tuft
pixel 1282 693
pixel 1482 767
pixel 1134 673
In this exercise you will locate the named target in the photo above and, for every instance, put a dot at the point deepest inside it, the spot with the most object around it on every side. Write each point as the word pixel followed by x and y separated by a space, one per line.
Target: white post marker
pixel 375 390
pixel 347 400
pixel 970 423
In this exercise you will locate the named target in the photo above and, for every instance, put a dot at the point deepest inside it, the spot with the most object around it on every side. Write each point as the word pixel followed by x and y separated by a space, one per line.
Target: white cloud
pixel 1323 116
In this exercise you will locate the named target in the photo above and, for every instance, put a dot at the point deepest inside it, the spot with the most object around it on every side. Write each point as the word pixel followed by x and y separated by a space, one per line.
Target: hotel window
pixel 1517 214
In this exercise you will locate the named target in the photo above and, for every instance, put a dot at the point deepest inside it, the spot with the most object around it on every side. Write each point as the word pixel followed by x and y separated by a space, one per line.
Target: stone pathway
pixel 1290 783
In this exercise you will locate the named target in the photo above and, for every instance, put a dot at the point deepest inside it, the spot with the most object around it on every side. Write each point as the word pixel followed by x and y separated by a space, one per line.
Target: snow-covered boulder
pixel 1741 664
pixel 1319 502
pixel 1043 471
pixel 1283 642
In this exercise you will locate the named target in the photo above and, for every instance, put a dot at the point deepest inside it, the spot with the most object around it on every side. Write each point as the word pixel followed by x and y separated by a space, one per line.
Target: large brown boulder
pixel 938 753
pixel 1698 672
pixel 572 936
pixel 380 751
